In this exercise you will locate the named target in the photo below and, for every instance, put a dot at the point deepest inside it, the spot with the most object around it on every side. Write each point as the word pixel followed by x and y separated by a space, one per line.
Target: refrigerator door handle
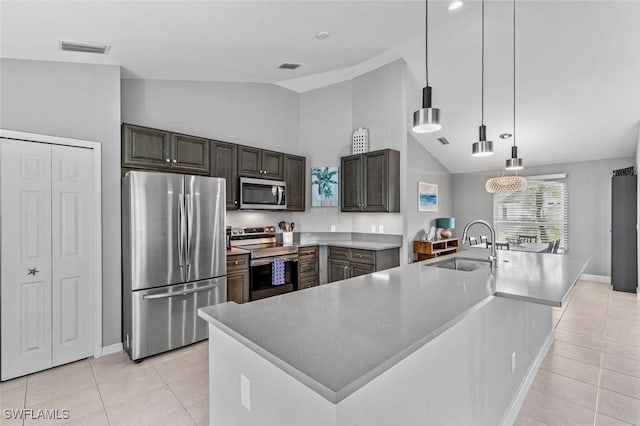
pixel 181 233
pixel 189 204
pixel 179 293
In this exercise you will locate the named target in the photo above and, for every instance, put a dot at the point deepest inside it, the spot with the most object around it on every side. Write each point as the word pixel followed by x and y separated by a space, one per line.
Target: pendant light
pixel 514 163
pixel 510 183
pixel 483 147
pixel 426 119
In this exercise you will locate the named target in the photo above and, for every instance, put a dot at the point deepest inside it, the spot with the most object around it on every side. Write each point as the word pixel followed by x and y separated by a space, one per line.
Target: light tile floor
pixel 591 376
pixel 168 389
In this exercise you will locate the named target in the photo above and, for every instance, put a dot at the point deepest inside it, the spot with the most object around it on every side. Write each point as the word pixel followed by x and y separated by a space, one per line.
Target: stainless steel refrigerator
pixel 174 258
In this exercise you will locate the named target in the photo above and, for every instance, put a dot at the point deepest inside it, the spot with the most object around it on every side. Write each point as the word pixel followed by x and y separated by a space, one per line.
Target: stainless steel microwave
pixel 262 194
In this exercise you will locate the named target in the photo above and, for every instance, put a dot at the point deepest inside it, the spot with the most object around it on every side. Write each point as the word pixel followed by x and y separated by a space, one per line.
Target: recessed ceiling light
pixel 322 35
pixel 289 66
pixel 84 47
pixel 505 136
pixel 455 5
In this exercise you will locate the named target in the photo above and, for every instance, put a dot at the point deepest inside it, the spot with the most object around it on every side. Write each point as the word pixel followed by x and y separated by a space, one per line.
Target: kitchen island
pixel 417 344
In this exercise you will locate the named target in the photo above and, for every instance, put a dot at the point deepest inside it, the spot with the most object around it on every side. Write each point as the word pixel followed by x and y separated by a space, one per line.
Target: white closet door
pixel 73 233
pixel 25 269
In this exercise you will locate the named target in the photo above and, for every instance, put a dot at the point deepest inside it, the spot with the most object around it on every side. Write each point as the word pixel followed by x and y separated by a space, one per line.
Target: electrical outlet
pixel 245 392
pixel 373 229
pixel 513 362
pixel 333 228
pixel 381 229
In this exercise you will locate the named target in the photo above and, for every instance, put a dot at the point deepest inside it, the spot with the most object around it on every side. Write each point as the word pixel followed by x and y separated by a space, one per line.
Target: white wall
pixel 255 114
pixel 424 167
pixel 83 102
pixel 589 186
pixel 329 115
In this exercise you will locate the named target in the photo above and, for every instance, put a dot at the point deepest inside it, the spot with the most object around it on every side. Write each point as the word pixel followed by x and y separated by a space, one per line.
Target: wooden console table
pixel 430 249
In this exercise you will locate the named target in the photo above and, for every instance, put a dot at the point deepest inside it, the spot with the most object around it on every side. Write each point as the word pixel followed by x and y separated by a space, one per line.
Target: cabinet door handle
pixel 175 161
pixel 168 160
pixel 235 202
pixel 32 271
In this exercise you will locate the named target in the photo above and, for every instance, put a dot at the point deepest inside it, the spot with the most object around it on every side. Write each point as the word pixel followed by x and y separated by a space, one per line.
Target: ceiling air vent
pixel 75 46
pixel 443 141
pixel 289 66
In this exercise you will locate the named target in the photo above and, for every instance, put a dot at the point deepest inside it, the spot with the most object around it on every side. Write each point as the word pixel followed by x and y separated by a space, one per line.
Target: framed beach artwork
pixel 427 197
pixel 324 187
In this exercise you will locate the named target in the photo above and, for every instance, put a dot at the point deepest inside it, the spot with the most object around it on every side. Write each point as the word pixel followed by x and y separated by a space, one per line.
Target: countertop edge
pixel 319 388
pixel 336 397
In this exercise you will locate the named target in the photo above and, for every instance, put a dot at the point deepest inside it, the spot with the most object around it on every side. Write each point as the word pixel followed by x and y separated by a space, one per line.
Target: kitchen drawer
pixel 237 262
pixel 308 267
pixel 338 253
pixel 307 253
pixel 363 256
pixel 308 282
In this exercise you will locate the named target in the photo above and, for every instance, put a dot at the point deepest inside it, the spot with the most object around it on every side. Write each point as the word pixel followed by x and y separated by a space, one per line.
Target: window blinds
pixel 540 210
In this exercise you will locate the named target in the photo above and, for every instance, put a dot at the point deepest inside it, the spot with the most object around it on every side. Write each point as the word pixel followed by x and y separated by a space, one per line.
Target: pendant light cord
pixel 426 40
pixel 514 72
pixel 482 72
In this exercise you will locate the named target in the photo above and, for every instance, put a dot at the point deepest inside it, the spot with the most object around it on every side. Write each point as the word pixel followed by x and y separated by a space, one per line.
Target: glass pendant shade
pixel 505 184
pixel 426 119
pixel 483 147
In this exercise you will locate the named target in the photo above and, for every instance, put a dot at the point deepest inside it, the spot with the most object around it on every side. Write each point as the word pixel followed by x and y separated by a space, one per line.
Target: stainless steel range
pixel 274 266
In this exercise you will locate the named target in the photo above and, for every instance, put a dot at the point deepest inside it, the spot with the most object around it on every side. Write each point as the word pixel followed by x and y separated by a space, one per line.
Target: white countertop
pixel 348 332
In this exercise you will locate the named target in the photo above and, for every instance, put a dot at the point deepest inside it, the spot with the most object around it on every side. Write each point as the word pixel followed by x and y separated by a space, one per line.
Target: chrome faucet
pixel 492 253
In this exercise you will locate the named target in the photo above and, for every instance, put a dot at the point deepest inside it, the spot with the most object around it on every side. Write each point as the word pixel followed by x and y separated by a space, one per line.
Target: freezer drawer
pixel 166 318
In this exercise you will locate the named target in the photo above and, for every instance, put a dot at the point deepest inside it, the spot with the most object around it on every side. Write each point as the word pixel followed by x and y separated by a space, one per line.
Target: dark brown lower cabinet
pixel 344 263
pixel 308 267
pixel 238 278
pixel 338 270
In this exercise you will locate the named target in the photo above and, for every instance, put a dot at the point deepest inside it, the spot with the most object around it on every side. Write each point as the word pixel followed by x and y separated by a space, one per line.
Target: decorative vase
pixel 445 234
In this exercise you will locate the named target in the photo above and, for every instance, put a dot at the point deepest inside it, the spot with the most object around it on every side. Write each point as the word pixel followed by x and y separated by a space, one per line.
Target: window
pixel 540 210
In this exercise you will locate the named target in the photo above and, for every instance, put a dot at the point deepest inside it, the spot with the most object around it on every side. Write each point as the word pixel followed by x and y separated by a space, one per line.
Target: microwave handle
pixel 280 196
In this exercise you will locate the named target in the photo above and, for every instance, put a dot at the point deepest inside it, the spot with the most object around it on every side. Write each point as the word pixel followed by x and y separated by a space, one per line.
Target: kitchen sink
pixel 461 264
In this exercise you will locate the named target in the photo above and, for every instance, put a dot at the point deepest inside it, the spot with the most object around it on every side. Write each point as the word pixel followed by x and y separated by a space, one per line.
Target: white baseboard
pixel 112 349
pixel 516 404
pixel 596 278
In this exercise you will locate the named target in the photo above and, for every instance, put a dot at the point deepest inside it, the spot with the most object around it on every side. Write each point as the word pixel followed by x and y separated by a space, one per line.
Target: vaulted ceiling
pixel 578 62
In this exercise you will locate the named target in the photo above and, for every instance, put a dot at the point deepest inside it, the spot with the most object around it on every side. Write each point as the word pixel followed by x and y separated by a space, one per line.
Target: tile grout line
pixel 24 405
pixel 173 393
pixel 95 379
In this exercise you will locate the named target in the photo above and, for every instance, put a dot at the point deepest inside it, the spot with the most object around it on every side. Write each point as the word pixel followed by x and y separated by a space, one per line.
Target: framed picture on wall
pixel 427 197
pixel 324 187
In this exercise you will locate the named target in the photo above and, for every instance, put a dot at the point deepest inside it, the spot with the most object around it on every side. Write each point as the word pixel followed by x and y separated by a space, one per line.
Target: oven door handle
pixel 268 260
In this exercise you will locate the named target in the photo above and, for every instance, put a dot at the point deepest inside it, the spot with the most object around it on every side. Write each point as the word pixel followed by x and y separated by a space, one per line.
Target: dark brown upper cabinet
pixel 190 154
pixel 146 148
pixel 143 147
pixel 224 164
pixel 371 182
pixel 260 163
pixel 295 173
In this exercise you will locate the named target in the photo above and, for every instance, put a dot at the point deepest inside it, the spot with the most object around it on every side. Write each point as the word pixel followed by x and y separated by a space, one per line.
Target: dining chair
pixel 556 246
pixel 502 246
pixel 550 247
pixel 483 239
pixel 528 238
pixel 473 241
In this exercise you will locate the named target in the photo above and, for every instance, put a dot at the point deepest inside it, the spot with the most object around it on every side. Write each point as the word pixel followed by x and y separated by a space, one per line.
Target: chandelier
pixel 505 184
